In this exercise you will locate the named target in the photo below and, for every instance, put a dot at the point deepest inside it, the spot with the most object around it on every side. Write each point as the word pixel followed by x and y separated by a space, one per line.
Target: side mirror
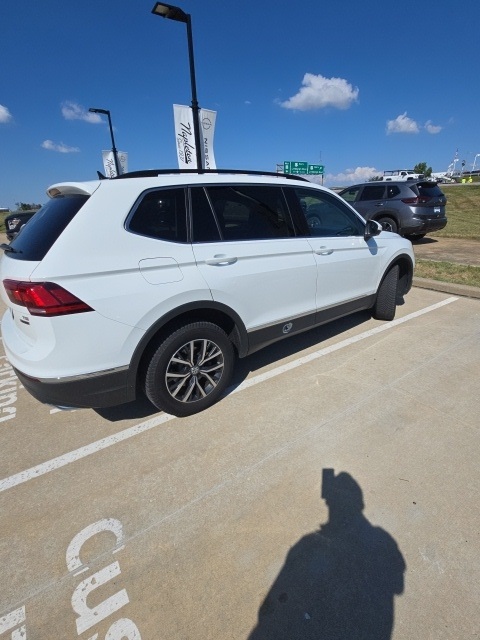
pixel 372 228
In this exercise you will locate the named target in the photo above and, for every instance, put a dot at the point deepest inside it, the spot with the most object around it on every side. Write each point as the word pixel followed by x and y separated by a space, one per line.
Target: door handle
pixel 323 251
pixel 221 259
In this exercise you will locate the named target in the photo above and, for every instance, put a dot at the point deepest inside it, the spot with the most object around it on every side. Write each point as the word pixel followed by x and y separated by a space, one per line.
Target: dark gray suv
pixel 410 208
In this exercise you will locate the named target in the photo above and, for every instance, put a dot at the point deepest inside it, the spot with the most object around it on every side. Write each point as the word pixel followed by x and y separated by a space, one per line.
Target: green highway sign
pixel 295 167
pixel 303 168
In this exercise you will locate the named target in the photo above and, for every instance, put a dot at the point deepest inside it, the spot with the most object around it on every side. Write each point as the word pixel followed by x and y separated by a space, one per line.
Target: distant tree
pixel 23 206
pixel 421 167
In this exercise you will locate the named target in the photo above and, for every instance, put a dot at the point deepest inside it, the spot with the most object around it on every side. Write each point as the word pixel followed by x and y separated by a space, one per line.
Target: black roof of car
pixel 374 183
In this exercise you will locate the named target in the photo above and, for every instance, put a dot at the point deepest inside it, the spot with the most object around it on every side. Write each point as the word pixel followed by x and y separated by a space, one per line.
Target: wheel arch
pixel 405 278
pixel 388 213
pixel 205 310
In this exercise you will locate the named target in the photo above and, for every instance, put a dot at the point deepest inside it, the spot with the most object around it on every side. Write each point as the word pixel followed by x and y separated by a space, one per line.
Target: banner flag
pixel 185 137
pixel 109 163
pixel 207 120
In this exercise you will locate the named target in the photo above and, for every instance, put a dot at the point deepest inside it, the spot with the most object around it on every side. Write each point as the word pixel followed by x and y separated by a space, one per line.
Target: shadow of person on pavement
pixel 337 583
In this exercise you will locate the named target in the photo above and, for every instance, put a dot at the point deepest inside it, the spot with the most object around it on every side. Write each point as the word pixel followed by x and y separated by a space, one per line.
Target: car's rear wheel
pixel 388 224
pixel 386 302
pixel 190 369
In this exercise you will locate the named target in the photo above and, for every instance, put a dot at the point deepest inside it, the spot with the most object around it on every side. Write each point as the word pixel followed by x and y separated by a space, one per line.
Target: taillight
pixel 417 200
pixel 44 298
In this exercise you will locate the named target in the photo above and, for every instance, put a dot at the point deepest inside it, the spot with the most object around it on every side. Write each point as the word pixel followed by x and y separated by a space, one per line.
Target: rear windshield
pixel 38 236
pixel 428 189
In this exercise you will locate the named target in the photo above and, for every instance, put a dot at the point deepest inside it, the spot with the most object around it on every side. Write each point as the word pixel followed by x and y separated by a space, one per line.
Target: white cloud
pixel 59 147
pixel 74 111
pixel 432 128
pixel 402 124
pixel 351 176
pixel 318 92
pixel 5 115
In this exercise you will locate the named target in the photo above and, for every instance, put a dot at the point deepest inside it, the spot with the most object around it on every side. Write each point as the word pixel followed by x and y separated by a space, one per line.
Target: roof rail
pixel 152 173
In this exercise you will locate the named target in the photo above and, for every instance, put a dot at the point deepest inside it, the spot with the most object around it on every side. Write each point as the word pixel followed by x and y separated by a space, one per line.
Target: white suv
pixel 155 281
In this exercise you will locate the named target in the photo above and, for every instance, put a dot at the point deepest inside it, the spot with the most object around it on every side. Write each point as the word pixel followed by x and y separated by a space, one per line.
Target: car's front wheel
pixel 190 369
pixel 386 302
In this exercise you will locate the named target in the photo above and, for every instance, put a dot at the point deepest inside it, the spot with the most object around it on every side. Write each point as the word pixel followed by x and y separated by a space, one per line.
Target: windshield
pixel 41 232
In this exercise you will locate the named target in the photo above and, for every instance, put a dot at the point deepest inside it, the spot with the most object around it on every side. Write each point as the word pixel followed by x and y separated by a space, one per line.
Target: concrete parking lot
pixel 332 494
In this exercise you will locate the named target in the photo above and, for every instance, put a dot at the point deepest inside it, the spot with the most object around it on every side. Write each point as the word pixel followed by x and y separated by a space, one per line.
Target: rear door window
pixel 373 192
pixel 248 212
pixel 46 226
pixel 205 227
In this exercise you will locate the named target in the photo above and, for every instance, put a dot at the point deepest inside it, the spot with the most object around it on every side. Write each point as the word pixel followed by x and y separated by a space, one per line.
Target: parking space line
pixel 104 443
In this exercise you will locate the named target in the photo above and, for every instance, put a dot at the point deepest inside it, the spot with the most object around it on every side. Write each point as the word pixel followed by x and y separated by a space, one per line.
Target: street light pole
pixel 175 13
pixel 114 149
pixel 195 107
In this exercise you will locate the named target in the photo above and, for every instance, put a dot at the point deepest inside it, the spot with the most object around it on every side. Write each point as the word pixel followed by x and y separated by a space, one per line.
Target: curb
pixel 447 287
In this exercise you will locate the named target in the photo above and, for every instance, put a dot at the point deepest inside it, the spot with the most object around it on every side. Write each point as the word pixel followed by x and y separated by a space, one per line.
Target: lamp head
pixel 104 111
pixel 170 12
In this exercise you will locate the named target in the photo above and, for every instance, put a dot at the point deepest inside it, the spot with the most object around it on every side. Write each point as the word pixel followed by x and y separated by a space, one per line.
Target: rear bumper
pixel 93 391
pixel 425 225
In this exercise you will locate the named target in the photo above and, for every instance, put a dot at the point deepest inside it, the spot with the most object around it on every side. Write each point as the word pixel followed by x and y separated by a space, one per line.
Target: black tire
pixel 417 237
pixel 386 302
pixel 388 224
pixel 190 369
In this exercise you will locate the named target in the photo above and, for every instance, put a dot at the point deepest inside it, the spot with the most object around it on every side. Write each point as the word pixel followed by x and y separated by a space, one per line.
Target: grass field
pixel 448 272
pixel 463 211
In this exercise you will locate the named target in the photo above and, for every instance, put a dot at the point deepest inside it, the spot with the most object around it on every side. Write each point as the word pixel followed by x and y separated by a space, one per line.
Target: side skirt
pixel 268 335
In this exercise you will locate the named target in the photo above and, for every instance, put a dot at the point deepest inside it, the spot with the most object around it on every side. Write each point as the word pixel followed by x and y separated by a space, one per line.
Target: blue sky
pixel 357 87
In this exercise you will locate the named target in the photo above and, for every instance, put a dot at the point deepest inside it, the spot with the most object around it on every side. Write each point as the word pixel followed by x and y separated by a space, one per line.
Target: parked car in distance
pixel 397 175
pixel 409 208
pixel 185 272
pixel 15 222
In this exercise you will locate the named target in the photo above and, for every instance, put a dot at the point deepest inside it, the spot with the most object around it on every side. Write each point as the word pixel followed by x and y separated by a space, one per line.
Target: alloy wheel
pixel 194 370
